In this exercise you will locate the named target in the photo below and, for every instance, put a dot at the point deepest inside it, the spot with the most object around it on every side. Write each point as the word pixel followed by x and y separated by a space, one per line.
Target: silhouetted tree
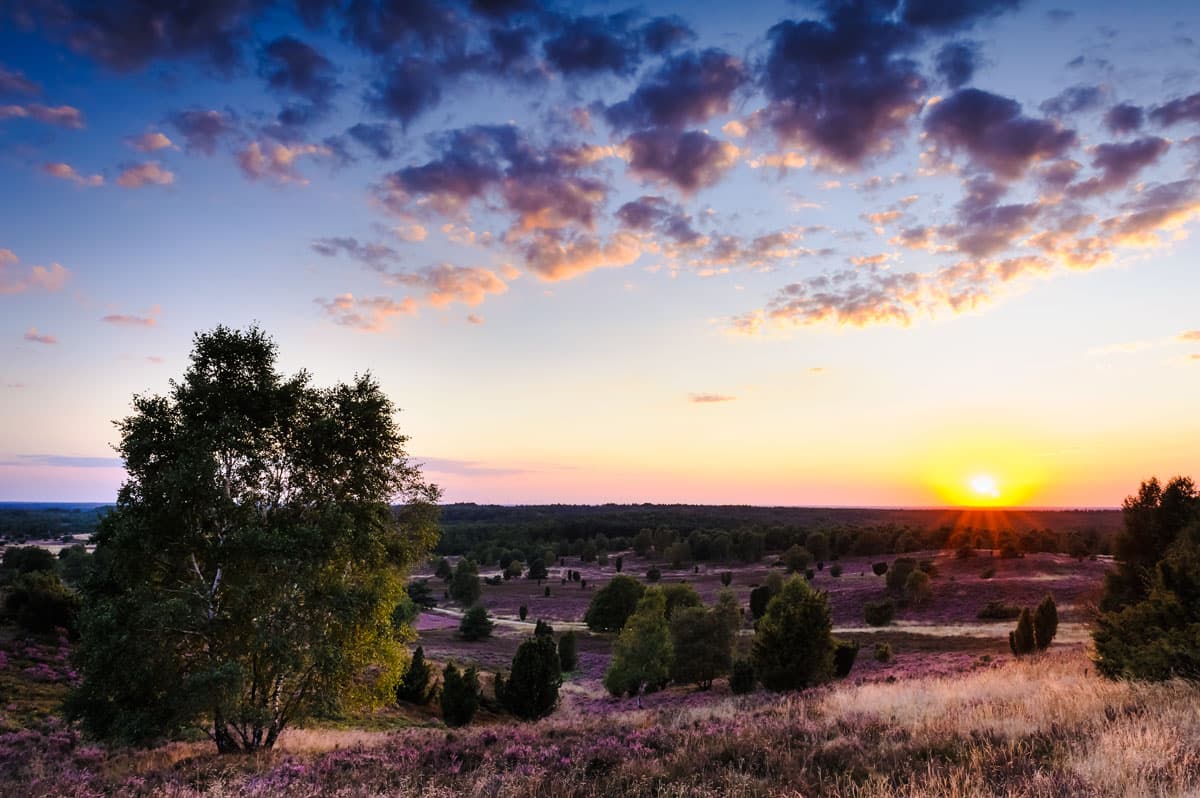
pixel 460 695
pixel 612 605
pixel 531 690
pixel 793 643
pixel 476 624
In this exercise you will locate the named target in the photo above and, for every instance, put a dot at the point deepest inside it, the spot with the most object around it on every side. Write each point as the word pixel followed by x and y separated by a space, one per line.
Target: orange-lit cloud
pixel 709 398
pixel 131 320
pixel 64 171
pixel 145 174
pixel 33 336
pixel 370 314
pixel 15 280
pixel 60 116
pixel 150 142
pixel 271 160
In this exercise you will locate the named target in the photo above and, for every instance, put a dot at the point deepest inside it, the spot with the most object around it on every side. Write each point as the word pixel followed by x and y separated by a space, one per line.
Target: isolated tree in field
pixel 879 613
pixel 460 695
pixel 817 544
pixel 476 624
pixel 619 563
pixel 879 568
pixel 1021 639
pixel 613 604
pixel 443 570
pixel 1045 623
pixel 543 629
pixel 726 578
pixel 702 642
pixel 917 589
pixel 567 657
pixel 464 585
pixel 531 691
pixel 251 566
pixel 1154 519
pixel 793 644
pixel 797 559
pixel 642 654
pixel 414 687
pixel 680 596
pixel 537 569
pixel 897 575
pixel 523 612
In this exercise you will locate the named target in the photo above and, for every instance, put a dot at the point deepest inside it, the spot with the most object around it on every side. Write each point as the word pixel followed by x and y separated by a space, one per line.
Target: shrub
pixel 653 575
pixel 543 629
pixel 897 575
pixel 418 590
pixel 916 588
pixel 1021 640
pixel 531 691
pixel 796 558
pixel 567 656
pixel 879 613
pixel 460 695
pixel 29 559
pixel 742 678
pixel 413 688
pixel 39 602
pixel 1045 623
pixel 759 598
pixel 523 612
pixel 998 611
pixel 844 654
pixel 537 569
pixel 546 593
pixel 702 644
pixel 612 605
pixel 476 624
pixel 810 574
pixel 642 654
pixel 514 570
pixel 930 568
pixel 443 570
pixel 988 573
pixel 619 563
pixel 793 644
pixel 680 596
pixel 879 568
pixel 464 585
pixel 835 570
pixel 883 652
pixel 602 559
pixel 726 578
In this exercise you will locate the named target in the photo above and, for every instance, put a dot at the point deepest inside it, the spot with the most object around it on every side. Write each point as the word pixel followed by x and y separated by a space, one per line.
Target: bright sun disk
pixel 985 485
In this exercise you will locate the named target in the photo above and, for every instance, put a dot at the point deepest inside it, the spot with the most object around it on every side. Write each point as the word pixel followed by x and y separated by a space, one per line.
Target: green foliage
pixel 523 612
pixel 998 611
pixel 1020 640
pixel 917 588
pixel 653 574
pixel 612 605
pixel 543 629
pixel 879 568
pixel 531 691
pixel 40 603
pixel 883 652
pixel 29 559
pixel 793 644
pixel 1153 520
pixel 249 571
pixel 74 564
pixel 678 553
pixel 759 598
pixel 844 654
pixel 476 624
pixel 742 679
pixel 897 575
pixel 642 654
pixel 835 570
pixel 727 578
pixel 796 559
pixel 514 570
pixel 414 687
pixel 680 596
pixel 619 563
pixel 460 695
pixel 443 570
pixel 729 610
pixel 418 590
pixel 464 585
pixel 702 642
pixel 537 569
pixel 1045 623
pixel 567 656
pixel 879 613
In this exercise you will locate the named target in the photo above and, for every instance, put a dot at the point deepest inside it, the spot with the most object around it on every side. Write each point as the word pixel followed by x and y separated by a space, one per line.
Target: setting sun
pixel 984 486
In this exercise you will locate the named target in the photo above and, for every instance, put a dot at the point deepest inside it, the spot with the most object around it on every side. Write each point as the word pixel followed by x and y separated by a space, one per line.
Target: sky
pixel 877 253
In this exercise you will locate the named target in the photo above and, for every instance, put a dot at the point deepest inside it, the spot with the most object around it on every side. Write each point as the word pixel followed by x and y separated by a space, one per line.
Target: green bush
pixel 1045 623
pixel 797 558
pixel 460 695
pixel 1020 640
pixel 917 589
pixel 414 687
pixel 879 568
pixel 642 655
pixel 742 678
pixel 531 691
pixel 998 611
pixel 543 629
pixel 567 656
pixel 759 598
pixel 793 644
pixel 523 612
pixel 476 624
pixel 844 654
pixel 464 585
pixel 680 596
pixel 835 570
pixel 897 575
pixel 653 575
pixel 40 603
pixel 883 652
pixel 879 613
pixel 702 646
pixel 612 605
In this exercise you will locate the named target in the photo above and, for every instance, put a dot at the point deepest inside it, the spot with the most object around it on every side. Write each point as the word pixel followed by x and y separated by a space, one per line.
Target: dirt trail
pixel 511 623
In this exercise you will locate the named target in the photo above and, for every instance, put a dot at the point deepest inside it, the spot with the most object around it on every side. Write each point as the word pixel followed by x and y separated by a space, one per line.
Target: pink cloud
pixel 370 314
pixel 64 171
pixel 62 115
pixel 709 398
pixel 34 336
pixel 16 280
pixel 144 174
pixel 272 160
pixel 150 142
pixel 130 320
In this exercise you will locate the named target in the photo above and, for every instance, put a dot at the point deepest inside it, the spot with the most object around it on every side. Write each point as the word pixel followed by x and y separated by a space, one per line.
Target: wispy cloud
pixel 17 280
pixel 131 320
pixel 64 171
pixel 147 173
pixel 469 468
pixel 60 116
pixel 369 314
pixel 33 336
pixel 62 461
pixel 709 398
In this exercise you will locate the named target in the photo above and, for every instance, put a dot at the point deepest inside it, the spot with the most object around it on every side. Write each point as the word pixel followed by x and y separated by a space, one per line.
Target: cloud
pixel 1124 118
pixel 370 314
pixel 64 461
pixel 467 468
pixel 377 257
pixel 34 336
pixel 376 138
pixel 1181 109
pixel 1153 211
pixel 126 35
pixel 293 67
pixel 587 45
pixel 956 63
pixel 150 142
pixel 1189 335
pixel 1075 100
pixel 1119 163
pixel 408 88
pixel 474 318
pixel 202 130
pixel 136 175
pixel 994 133
pixel 690 161
pixel 64 171
pixel 443 284
pixel 709 398
pixel 942 16
pixel 131 320
pixel 687 89
pixel 554 256
pixel 272 160
pixel 60 116
pixel 654 213
pixel 17 280
pixel 15 82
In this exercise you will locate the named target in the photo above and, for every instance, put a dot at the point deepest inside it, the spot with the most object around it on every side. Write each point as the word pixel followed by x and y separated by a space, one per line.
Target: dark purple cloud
pixel 1074 100
pixel 1119 163
pixel 994 133
pixel 1124 118
pixel 594 44
pixel 983 226
pixel 289 65
pixel 411 86
pixel 1181 109
pixel 404 26
pixel 687 89
pixel 956 63
pixel 202 130
pixel 375 137
pixel 663 34
pixel 948 15
pixel 15 82
pixel 658 214
pixel 689 160
pixel 377 257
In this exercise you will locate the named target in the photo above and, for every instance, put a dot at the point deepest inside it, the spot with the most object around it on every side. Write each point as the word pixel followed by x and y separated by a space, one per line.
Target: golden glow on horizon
pixel 996 469
pixel 985 487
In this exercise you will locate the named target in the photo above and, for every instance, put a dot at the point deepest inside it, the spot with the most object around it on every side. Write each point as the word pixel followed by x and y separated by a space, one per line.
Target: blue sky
pixel 793 253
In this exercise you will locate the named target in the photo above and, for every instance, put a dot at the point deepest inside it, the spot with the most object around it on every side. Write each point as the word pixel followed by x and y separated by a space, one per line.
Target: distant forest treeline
pixel 709 532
